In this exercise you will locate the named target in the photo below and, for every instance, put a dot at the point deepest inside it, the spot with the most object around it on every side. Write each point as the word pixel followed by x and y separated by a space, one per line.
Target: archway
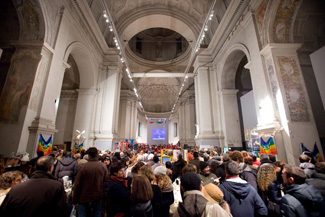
pixel 65 117
pixel 237 97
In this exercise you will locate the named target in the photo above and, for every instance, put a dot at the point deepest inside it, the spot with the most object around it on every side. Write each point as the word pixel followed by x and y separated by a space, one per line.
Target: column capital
pixel 202 62
pixel 280 48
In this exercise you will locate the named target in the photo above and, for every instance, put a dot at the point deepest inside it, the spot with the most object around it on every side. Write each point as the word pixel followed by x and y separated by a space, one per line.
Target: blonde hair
pixel 163 181
pixel 147 171
pixel 265 176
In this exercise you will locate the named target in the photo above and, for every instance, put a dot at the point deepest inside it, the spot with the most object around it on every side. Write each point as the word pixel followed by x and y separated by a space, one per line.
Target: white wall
pixel 248 110
pixel 318 63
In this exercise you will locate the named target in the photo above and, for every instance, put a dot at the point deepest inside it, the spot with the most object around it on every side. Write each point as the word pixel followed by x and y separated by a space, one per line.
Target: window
pixel 175 129
pixel 139 129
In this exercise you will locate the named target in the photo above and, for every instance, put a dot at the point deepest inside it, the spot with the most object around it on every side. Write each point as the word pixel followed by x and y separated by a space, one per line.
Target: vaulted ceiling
pixel 158 37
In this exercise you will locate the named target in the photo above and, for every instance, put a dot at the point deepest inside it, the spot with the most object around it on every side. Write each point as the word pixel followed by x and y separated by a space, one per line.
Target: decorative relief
pixel 283 20
pixel 294 92
pixel 260 17
pixel 273 82
pixel 30 19
pixel 18 85
pixel 53 14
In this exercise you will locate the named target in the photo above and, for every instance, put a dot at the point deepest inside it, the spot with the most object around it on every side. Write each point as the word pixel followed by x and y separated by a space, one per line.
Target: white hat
pixel 160 170
pixel 25 157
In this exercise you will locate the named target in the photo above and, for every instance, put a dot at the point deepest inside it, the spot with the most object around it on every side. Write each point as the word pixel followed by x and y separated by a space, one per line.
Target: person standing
pixel 89 185
pixel 66 167
pixel 41 195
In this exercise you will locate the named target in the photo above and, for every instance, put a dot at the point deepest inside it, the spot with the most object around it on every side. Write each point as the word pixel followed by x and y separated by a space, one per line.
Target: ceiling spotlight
pixel 107 20
pixel 110 28
pixel 206 28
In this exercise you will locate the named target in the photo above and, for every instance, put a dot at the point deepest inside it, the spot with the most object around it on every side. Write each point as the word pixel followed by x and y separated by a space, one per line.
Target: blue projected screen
pixel 158 134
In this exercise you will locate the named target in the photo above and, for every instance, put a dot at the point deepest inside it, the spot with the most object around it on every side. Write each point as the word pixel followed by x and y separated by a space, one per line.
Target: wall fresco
pixel 293 89
pixel 260 17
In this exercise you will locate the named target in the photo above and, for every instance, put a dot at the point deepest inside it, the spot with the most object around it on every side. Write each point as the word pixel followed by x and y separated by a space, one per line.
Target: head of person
pixel 117 169
pixel 236 156
pixel 190 181
pixel 272 158
pixel 45 164
pixel 244 154
pixel 293 175
pixel 304 158
pixel 189 168
pixel 107 160
pixel 92 153
pixel 196 154
pixel 40 153
pixel 68 154
pixel 162 179
pixel 265 176
pixel 156 159
pixel 249 161
pixel 214 165
pixel 10 179
pixel 146 170
pixel 278 166
pixel 77 156
pixel 137 167
pixel 204 168
pixel 232 169
pixel 320 167
pixel 141 190
pixel 168 164
pixel 225 158
pixel 206 158
pixel 180 157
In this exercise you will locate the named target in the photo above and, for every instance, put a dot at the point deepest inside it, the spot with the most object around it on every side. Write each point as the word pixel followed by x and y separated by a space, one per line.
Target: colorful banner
pixel 268 146
pixel 156 122
pixel 77 148
pixel 315 153
pixel 45 146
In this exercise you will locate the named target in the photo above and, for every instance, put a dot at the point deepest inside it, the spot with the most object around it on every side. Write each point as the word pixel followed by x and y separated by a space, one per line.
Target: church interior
pixel 205 73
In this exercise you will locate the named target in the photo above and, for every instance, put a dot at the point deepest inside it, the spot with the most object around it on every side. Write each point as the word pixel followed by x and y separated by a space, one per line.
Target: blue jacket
pixel 243 199
pixel 301 200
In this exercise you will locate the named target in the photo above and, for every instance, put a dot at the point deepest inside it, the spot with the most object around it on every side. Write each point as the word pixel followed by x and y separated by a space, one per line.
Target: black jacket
pixel 118 199
pixel 177 169
pixel 318 181
pixel 301 200
pixel 250 174
pixel 38 197
pixel 141 210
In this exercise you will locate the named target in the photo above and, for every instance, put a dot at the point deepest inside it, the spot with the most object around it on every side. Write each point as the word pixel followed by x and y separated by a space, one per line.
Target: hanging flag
pixel 303 148
pixel 268 146
pixel 78 148
pixel 316 154
pixel 45 146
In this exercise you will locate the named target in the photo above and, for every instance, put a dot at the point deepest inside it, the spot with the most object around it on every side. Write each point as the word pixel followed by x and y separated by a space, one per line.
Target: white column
pixel 108 106
pixel 206 134
pixel 230 120
pixel 84 113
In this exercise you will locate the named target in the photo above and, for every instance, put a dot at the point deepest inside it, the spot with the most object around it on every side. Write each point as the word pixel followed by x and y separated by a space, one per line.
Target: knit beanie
pixel 160 170
pixel 203 165
pixel 191 181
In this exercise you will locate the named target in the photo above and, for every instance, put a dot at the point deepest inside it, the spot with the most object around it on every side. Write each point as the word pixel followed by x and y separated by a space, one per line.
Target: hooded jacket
pixel 66 167
pixel 195 205
pixel 250 174
pixel 242 198
pixel 301 200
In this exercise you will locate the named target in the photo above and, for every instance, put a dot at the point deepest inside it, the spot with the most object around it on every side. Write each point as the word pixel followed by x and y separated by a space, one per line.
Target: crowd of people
pixel 137 184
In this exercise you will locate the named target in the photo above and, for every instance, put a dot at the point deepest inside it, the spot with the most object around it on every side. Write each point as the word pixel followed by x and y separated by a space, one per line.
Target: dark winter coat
pixel 66 167
pixel 119 199
pixel 196 162
pixel 318 181
pixel 89 183
pixel 242 199
pixel 156 200
pixel 250 175
pixel 221 172
pixel 167 199
pixel 301 200
pixel 141 210
pixel 177 169
pixel 40 196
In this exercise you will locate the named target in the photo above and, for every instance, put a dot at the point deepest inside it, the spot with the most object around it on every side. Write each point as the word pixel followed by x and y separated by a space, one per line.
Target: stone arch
pixel 230 63
pixel 84 62
pixel 159 21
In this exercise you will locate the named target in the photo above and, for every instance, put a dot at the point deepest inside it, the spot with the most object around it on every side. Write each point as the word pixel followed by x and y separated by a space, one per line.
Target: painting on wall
pixel 283 20
pixel 260 17
pixel 293 89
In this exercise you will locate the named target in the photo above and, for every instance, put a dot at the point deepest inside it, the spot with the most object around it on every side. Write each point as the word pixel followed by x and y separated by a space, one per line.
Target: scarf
pixel 119 180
